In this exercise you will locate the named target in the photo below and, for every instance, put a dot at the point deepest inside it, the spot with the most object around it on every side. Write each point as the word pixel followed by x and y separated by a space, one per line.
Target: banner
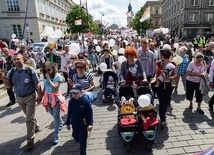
pixel 146 15
pixel 78 22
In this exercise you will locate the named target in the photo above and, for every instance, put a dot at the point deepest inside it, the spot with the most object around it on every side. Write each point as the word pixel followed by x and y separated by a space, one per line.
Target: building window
pixel 209 2
pixel 156 22
pixel 208 17
pixel 193 17
pixel 17 30
pixel 156 11
pixel 13 5
pixel 194 3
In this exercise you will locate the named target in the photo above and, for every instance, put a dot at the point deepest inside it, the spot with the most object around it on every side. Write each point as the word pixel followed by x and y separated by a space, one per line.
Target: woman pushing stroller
pixel 131 70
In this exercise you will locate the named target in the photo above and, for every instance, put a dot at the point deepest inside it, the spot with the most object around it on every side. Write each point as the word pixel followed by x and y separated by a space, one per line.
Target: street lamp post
pixel 102 23
pixel 23 32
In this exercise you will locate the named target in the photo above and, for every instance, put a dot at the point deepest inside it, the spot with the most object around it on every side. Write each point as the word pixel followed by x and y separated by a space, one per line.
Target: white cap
pixel 166 47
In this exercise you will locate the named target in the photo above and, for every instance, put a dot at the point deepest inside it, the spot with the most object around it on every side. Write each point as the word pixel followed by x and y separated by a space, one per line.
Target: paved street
pixel 187 132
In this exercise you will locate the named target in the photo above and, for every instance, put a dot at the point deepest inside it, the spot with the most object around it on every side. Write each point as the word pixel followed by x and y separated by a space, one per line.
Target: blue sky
pixel 114 10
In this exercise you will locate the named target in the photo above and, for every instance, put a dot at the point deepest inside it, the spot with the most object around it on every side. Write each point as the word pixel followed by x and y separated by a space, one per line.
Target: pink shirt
pixel 195 69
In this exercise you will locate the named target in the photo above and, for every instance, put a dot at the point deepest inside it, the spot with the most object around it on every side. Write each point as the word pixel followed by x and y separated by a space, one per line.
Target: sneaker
pixel 200 111
pixel 190 107
pixel 103 97
pixel 56 140
pixel 10 104
pixel 29 145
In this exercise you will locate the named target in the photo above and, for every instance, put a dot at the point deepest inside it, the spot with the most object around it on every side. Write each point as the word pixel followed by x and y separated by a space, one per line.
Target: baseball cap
pixel 76 88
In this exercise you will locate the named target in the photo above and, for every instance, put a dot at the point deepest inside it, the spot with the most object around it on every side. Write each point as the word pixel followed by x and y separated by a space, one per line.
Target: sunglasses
pixel 80 67
pixel 48 70
pixel 72 58
pixel 81 57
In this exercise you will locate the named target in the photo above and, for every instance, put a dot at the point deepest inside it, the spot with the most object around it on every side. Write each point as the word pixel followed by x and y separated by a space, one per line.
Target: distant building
pixel 188 18
pixel 156 11
pixel 130 15
pixel 41 13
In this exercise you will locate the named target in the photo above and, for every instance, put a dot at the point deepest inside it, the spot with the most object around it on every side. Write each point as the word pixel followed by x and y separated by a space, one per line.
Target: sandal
pixel 200 111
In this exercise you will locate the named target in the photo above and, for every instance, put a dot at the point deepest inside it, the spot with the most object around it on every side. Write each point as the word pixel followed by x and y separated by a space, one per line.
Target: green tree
pixel 94 28
pixel 136 24
pixel 77 13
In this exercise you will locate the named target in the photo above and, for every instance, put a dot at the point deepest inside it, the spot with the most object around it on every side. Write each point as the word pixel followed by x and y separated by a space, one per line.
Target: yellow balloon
pixel 51 45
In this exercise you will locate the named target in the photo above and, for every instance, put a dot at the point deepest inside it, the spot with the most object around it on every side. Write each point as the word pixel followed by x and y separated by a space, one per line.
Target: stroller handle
pixel 129 113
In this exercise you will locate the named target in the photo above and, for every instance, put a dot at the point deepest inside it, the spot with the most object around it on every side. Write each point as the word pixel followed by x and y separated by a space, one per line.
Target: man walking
pixel 25 81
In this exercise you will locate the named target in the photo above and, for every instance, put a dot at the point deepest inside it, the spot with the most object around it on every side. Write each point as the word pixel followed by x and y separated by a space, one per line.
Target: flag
pixel 146 15
pixel 59 21
pixel 78 22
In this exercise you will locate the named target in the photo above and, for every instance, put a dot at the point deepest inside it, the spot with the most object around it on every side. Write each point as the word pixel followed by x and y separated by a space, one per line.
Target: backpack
pixel 28 70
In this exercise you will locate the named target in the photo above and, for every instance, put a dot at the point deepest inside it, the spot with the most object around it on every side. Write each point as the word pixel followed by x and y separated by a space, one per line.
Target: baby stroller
pixel 147 115
pixel 136 117
pixel 104 84
pixel 127 121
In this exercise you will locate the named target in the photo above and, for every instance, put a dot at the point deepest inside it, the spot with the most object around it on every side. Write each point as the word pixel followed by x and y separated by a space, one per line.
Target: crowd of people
pixel 148 60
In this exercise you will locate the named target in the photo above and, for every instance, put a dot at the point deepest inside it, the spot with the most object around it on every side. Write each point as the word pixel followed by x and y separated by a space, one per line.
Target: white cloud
pixel 112 13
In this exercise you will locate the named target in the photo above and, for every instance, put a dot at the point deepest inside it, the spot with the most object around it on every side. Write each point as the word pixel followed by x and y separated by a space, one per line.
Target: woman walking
pixel 53 99
pixel 194 75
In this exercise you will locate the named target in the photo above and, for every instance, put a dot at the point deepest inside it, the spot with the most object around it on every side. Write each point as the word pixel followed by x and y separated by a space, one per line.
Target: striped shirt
pixel 84 80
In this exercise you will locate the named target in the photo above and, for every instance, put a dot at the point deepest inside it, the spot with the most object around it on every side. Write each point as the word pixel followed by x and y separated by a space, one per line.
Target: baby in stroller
pixel 110 88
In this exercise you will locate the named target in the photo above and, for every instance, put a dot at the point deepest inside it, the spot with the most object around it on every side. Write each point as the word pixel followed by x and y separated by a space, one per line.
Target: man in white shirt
pixel 65 61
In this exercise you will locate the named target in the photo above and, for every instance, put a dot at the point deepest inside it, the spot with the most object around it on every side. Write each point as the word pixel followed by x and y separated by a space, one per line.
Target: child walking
pixel 53 100
pixel 80 116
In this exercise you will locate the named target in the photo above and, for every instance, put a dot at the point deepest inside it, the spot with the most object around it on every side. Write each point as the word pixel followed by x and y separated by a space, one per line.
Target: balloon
pixel 74 48
pixel 176 45
pixel 57 34
pixel 178 60
pixel 105 42
pixel 95 41
pixel 139 37
pixel 126 42
pixel 98 48
pixel 48 30
pixel 111 42
pixel 13 36
pixel 51 45
pixel 51 39
pixel 17 40
pixel 103 66
pixel 14 40
pixel 144 100
pixel 121 59
pixel 80 37
pixel 121 51
pixel 115 52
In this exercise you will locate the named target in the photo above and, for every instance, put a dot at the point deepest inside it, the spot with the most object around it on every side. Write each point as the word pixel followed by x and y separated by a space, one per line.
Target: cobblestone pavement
pixel 187 131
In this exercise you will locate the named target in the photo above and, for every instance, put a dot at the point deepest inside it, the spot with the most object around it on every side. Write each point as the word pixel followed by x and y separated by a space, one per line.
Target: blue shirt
pixel 182 68
pixel 23 81
pixel 48 88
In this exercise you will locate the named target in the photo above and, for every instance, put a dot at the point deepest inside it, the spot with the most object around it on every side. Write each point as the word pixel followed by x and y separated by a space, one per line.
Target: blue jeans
pixel 55 112
pixel 80 135
pixel 164 92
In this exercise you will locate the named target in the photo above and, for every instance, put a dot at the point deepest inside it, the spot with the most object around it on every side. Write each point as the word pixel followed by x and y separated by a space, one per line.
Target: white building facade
pixel 41 13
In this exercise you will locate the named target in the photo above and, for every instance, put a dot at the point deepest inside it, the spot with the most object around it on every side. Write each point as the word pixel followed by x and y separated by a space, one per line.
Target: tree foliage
pixel 77 13
pixel 136 24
